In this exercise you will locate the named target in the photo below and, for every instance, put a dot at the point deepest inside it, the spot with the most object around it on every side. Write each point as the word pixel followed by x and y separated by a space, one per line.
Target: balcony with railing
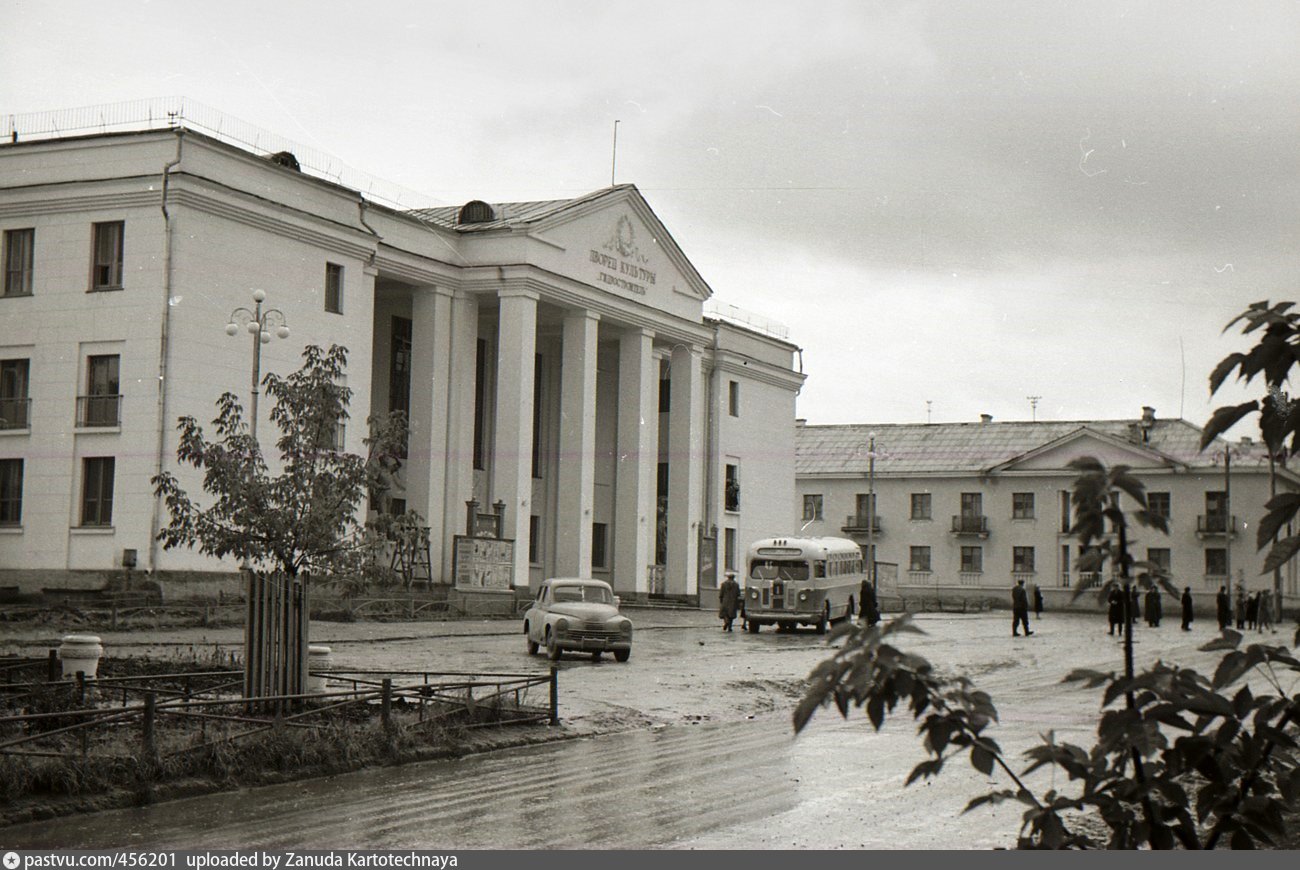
pixel 15 413
pixel 971 525
pixel 1216 526
pixel 861 523
pixel 99 411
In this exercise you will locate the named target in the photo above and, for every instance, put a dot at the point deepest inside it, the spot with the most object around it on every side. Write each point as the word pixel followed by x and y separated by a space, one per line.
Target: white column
pixel 577 466
pixel 426 448
pixel 638 446
pixel 461 364
pixel 513 446
pixel 685 469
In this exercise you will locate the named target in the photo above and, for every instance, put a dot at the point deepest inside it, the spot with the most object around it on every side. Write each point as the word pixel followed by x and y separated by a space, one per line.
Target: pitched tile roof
pixel 921 448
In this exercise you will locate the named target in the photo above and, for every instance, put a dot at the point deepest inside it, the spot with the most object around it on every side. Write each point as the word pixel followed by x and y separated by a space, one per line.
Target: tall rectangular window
pixel 101 405
pixel 480 403
pixel 399 366
pixel 812 507
pixel 106 268
pixel 972 504
pixel 920 505
pixel 1022 560
pixel 1216 562
pixel 599 545
pixel 919 559
pixel 1161 557
pixel 537 416
pixel 19 248
pixel 97 491
pixel 1065 511
pixel 733 398
pixel 1158 504
pixel 733 488
pixel 14 400
pixel 972 560
pixel 11 492
pixel 729 551
pixel 1022 505
pixel 333 288
pixel 665 395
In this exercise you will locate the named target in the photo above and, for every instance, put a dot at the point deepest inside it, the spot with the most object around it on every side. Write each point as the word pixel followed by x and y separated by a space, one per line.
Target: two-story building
pixel 554 359
pixel 965 510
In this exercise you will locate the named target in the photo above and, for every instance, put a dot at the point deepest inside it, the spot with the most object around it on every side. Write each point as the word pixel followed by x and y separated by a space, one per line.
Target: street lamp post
pixel 871 509
pixel 260 325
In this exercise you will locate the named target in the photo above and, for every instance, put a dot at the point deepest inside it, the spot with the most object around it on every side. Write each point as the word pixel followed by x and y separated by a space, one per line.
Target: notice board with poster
pixel 483 564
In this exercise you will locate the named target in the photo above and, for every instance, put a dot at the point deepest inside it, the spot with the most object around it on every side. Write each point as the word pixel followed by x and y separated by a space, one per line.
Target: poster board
pixel 483 564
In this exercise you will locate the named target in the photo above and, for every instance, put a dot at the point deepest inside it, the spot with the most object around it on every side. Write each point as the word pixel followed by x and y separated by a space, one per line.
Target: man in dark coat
pixel 1241 606
pixel 1133 602
pixel 1115 610
pixel 868 606
pixel 1187 608
pixel 728 600
pixel 1151 607
pixel 1223 607
pixel 1019 609
pixel 1038 602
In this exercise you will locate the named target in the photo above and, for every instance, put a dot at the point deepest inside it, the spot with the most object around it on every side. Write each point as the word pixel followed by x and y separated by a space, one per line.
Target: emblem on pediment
pixel 623 241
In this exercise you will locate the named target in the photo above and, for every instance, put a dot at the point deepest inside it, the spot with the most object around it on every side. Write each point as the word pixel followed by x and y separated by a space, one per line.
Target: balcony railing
pixel 99 410
pixel 969 524
pixel 1215 525
pixel 15 413
pixel 860 523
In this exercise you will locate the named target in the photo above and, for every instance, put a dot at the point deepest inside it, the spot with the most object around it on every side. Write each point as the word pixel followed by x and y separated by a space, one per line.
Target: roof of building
pixel 965 448
pixel 505 214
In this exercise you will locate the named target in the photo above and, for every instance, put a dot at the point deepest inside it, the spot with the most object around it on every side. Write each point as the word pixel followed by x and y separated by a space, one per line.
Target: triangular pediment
pixel 613 241
pixel 1057 455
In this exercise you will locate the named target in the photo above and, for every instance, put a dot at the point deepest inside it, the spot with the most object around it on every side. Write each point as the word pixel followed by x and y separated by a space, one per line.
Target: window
pixel 1158 504
pixel 11 492
pixel 399 366
pixel 1022 505
pixel 733 398
pixel 972 560
pixel 1160 557
pixel 865 506
pixel 18 250
pixel 665 395
pixel 14 401
pixel 812 507
pixel 972 504
pixel 919 559
pixel 480 404
pixel 733 488
pixel 97 491
pixel 1216 503
pixel 333 288
pixel 1065 511
pixel 920 505
pixel 599 545
pixel 729 549
pixel 1022 560
pixel 106 269
pixel 538 371
pixel 534 539
pixel 1216 562
pixel 102 403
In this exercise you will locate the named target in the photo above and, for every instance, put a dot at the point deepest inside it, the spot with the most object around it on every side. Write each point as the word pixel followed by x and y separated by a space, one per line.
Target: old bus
pixel 808 581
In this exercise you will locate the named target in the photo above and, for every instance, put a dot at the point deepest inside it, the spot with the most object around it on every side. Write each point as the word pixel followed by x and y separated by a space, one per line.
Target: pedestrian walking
pixel 1038 602
pixel 728 600
pixel 1115 610
pixel 1019 609
pixel 1241 606
pixel 868 606
pixel 1223 607
pixel 1133 601
pixel 1187 608
pixel 1266 612
pixel 1152 607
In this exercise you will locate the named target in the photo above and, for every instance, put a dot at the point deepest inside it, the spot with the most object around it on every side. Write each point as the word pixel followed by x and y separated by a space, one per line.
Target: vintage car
pixel 578 615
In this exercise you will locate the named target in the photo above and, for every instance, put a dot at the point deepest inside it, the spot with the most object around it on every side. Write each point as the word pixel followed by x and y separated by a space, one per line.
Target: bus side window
pixel 819 568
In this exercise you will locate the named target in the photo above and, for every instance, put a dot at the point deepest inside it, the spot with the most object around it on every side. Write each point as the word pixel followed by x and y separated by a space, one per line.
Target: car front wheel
pixel 532 647
pixel 622 655
pixel 553 651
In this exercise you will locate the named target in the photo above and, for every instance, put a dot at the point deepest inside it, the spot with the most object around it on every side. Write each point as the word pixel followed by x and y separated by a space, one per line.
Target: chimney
pixel 800 422
pixel 986 418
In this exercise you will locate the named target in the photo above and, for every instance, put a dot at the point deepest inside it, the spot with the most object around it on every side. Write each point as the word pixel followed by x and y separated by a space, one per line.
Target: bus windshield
pixel 777 569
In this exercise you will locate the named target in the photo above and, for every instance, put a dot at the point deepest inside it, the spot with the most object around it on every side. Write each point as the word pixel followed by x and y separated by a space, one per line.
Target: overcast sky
pixel 966 203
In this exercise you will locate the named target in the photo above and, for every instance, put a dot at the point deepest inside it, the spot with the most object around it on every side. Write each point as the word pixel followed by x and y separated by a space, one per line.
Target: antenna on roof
pixel 614 161
pixel 1033 407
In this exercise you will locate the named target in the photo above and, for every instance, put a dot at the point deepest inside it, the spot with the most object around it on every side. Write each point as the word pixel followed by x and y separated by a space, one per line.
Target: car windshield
pixel 775 569
pixel 590 594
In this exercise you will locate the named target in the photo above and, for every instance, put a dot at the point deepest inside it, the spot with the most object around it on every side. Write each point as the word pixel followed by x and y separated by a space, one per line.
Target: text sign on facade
pixel 483 564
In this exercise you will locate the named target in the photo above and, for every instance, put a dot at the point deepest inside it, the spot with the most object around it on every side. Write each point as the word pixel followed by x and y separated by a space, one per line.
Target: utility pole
pixel 1033 405
pixel 871 509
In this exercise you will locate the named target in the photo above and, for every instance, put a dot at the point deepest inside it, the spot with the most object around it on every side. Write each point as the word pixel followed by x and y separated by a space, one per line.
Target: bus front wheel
pixel 825 618
pixel 754 626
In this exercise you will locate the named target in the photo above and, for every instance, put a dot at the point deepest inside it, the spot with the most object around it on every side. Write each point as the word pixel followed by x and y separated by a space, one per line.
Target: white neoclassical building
pixel 554 359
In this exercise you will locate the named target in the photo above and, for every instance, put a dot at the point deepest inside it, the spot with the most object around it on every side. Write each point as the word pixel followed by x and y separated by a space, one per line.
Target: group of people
pixel 1253 611
pixel 729 602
